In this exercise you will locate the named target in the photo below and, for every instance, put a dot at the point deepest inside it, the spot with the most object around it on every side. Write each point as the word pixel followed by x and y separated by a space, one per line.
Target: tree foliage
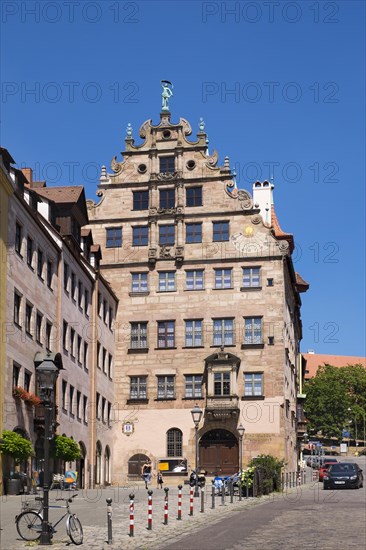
pixel 65 448
pixel 16 446
pixel 336 399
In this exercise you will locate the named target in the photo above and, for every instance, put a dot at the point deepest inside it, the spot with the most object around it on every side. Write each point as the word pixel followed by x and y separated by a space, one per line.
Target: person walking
pixel 159 480
pixel 146 473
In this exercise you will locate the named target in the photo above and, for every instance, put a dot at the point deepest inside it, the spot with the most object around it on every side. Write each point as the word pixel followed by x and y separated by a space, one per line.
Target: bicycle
pixel 29 522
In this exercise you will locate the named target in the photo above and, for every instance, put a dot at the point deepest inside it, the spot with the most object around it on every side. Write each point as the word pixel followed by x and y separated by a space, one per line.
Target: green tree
pixel 16 446
pixel 334 397
pixel 65 448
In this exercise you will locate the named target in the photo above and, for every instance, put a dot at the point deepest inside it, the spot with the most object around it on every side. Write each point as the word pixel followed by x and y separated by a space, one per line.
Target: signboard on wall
pixel 173 465
pixel 343 447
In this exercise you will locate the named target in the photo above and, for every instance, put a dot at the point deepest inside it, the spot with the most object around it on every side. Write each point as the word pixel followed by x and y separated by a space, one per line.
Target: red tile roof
pixel 301 284
pixel 315 360
pixel 67 194
pixel 277 231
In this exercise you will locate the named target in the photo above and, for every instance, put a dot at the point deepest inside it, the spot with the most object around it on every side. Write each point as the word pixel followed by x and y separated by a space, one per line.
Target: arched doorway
pixel 80 465
pixel 135 464
pixel 219 452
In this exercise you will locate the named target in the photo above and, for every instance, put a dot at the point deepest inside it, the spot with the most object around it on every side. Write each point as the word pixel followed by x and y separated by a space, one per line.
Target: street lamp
pixel 241 431
pixel 196 413
pixel 47 373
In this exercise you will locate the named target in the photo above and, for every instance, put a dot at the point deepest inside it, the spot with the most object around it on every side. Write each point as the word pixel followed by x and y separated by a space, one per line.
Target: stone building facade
pixel 210 307
pixel 58 301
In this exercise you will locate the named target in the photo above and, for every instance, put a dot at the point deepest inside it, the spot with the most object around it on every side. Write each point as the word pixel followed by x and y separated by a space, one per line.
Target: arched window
pixel 98 463
pixel 107 464
pixel 174 438
pixel 135 464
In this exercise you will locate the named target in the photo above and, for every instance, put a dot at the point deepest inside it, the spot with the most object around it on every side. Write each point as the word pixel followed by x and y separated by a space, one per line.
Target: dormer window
pixel 167 165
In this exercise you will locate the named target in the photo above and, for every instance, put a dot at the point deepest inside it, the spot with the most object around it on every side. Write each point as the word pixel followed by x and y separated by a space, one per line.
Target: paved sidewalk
pixel 90 506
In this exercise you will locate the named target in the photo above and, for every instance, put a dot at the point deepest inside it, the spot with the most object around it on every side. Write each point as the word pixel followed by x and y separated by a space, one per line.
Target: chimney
pixel 28 173
pixel 263 199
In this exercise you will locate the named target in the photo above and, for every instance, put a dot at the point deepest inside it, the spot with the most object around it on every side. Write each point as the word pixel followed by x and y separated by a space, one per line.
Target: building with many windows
pixel 210 307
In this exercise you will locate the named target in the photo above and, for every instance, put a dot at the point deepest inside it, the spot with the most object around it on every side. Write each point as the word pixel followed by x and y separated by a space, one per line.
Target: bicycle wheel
pixel 29 525
pixel 74 529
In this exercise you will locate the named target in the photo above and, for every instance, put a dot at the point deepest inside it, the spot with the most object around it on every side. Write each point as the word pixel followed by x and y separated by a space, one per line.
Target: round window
pixel 142 168
pixel 167 134
pixel 191 164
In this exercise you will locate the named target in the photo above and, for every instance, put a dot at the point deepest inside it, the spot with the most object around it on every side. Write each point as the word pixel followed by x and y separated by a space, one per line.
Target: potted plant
pixel 18 448
pixel 19 392
pixel 65 448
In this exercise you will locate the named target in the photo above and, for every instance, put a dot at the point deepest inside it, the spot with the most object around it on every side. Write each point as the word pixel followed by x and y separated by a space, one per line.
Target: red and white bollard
pixel 191 501
pixel 179 502
pixel 166 489
pixel 132 514
pixel 149 510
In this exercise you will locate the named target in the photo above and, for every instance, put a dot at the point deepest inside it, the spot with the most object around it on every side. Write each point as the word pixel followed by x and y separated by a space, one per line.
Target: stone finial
pixel 129 131
pixel 103 174
pixel 202 125
pixel 227 163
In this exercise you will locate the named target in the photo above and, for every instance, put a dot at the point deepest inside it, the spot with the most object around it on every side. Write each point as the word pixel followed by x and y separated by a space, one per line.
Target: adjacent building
pixel 209 307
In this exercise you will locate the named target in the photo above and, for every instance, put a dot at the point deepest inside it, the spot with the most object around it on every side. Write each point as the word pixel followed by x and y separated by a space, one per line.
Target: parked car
pixel 325 467
pixel 343 475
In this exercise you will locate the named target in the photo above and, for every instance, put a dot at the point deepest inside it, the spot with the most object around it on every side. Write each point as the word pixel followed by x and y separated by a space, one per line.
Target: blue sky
pixel 280 86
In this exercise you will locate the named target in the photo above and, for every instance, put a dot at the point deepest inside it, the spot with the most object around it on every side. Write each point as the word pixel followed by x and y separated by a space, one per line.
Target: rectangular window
pixel 80 294
pixel 103 408
pixel 40 263
pixel 17 302
pixel 97 406
pixel 72 342
pixel 16 374
pixel 166 198
pixel 174 442
pixel 167 165
pixel 222 383
pixel 78 405
pixel 79 347
pixel 193 232
pixel 193 333
pixel 140 200
pixel 138 387
pixel 223 278
pixel 85 355
pixel 27 380
pixel 223 332
pixel 113 237
pixel 194 196
pixel 49 273
pixel 86 302
pixel 110 365
pixel 251 277
pixel 48 335
pixel 139 282
pixel 140 235
pixel 99 305
pixel 220 231
pixel 71 400
pixel 66 277
pixel 167 281
pixel 166 387
pixel 166 234
pixel 105 310
pixel 139 335
pixel 253 330
pixel 194 279
pixel 166 334
pixel 193 386
pixel 18 238
pixel 85 409
pixel 253 384
pixel 73 286
pixel 64 334
pixel 104 360
pixel 30 250
pixel 28 318
pixel 109 410
pixel 64 389
pixel 39 319
pixel 110 318
pixel 99 347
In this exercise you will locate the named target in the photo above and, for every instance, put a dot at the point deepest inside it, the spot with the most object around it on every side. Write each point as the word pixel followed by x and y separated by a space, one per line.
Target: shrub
pixel 65 448
pixel 16 446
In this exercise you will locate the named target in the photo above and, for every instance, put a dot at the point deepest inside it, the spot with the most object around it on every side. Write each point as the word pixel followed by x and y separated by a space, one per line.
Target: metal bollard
pixel 202 499
pixel 191 501
pixel 166 489
pixel 240 488
pixel 286 483
pixel 109 519
pixel 247 488
pixel 222 494
pixel 179 502
pixel 149 510
pixel 132 514
pixel 231 489
pixel 213 495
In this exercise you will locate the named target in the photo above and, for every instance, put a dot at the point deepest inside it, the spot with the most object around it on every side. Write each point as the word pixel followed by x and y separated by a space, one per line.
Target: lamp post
pixel 241 431
pixel 196 413
pixel 47 373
